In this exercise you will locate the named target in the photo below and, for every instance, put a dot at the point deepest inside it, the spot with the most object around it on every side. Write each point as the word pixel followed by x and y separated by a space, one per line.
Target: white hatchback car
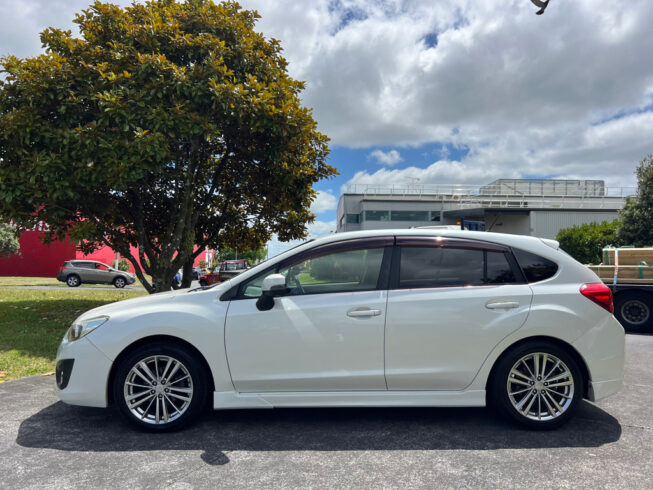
pixel 377 318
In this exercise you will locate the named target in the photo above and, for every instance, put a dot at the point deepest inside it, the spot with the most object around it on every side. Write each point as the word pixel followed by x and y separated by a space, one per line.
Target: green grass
pixel 32 323
pixel 30 281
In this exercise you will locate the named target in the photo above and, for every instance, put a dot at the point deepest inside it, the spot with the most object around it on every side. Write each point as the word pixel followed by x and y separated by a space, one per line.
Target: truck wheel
pixel 633 309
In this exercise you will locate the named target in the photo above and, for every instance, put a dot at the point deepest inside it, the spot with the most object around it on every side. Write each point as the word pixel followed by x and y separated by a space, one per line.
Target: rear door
pixel 451 301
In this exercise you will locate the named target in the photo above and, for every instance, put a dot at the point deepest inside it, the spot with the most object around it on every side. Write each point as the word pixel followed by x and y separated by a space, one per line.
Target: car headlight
pixel 81 328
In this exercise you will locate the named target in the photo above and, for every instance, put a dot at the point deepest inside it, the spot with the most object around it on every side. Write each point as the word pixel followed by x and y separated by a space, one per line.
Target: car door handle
pixel 501 305
pixel 363 313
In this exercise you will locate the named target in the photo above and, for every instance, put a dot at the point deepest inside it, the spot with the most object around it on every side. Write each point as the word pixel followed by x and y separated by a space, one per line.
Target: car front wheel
pixel 119 282
pixel 537 385
pixel 160 387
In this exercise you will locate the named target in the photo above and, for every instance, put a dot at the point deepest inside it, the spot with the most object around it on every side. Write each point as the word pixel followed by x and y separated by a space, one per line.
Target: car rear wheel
pixel 203 282
pixel 160 387
pixel 73 280
pixel 537 385
pixel 633 310
pixel 119 282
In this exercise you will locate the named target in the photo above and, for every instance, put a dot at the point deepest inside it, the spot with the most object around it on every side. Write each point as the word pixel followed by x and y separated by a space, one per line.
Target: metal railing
pixel 469 196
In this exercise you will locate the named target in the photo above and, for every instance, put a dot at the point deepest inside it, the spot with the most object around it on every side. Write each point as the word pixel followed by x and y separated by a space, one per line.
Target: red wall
pixel 39 260
pixel 36 259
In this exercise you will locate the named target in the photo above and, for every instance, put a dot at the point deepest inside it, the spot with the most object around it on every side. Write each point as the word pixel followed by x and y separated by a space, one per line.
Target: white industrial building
pixel 538 207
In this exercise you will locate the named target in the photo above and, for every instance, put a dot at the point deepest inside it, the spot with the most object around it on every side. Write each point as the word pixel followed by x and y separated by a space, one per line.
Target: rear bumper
pixel 603 349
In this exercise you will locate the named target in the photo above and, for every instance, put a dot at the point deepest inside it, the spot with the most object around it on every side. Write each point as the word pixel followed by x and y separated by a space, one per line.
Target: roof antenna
pixel 541 5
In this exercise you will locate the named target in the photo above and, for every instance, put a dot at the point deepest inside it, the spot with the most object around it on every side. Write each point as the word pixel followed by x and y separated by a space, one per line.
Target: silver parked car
pixel 76 272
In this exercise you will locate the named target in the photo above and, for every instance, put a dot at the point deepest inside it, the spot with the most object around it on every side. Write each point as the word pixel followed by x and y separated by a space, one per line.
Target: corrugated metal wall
pixel 547 224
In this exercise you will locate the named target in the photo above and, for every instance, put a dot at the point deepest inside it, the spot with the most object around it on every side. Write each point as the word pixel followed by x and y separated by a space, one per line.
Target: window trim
pixel 456 243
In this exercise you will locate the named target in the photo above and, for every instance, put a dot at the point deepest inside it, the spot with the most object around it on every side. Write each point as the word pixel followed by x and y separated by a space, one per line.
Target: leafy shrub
pixel 585 242
pixel 124 265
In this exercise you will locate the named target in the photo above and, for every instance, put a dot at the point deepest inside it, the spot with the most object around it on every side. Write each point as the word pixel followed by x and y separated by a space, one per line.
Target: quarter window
pixel 535 268
pixel 432 267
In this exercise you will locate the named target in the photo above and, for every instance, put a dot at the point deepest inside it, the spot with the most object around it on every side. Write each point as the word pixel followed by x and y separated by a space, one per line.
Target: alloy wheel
pixel 158 390
pixel 540 386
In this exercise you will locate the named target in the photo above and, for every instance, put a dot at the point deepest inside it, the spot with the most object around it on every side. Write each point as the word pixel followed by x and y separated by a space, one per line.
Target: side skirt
pixel 225 400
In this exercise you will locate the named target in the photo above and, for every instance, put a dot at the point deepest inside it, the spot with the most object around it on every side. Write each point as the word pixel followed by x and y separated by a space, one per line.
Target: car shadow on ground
pixel 69 428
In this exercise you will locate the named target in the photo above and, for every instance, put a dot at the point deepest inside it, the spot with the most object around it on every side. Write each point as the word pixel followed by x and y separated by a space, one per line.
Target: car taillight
pixel 599 293
pixel 63 267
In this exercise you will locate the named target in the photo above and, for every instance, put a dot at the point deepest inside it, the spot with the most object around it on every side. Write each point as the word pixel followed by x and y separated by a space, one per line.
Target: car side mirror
pixel 273 285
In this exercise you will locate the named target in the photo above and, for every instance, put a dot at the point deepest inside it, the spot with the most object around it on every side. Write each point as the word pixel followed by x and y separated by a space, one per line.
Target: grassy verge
pixel 32 323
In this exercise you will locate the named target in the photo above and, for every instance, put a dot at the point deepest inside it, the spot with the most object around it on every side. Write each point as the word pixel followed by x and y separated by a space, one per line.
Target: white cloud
pixel 325 201
pixel 389 159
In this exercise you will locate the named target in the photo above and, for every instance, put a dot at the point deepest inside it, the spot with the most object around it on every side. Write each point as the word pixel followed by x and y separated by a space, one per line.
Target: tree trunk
pixel 187 276
pixel 162 282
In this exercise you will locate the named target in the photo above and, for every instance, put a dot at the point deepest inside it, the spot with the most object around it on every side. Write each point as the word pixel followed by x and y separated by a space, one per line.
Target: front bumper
pixel 87 371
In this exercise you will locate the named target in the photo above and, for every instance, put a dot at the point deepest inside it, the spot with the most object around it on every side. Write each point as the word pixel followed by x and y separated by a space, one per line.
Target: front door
pixel 326 334
pixel 450 303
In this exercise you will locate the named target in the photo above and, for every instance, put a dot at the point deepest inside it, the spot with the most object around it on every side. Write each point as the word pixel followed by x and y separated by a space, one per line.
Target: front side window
pixel 432 267
pixel 352 270
pixel 342 271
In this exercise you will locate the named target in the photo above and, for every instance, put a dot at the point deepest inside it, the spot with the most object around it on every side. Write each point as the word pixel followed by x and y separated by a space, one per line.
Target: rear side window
pixel 432 267
pixel 535 268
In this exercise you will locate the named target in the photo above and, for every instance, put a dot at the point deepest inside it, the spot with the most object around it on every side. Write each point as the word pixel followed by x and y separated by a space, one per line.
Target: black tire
pixel 197 381
pixel 545 393
pixel 73 281
pixel 120 282
pixel 634 310
pixel 203 282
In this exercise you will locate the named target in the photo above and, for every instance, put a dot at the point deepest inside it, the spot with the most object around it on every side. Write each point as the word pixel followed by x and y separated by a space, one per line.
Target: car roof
pixel 519 241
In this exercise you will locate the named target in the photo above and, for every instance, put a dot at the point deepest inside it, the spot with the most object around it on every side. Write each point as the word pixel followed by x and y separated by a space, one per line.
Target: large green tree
pixel 585 242
pixel 166 125
pixel 8 240
pixel 637 214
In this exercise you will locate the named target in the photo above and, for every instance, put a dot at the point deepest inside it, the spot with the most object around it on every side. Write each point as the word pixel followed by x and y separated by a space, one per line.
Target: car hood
pixel 150 300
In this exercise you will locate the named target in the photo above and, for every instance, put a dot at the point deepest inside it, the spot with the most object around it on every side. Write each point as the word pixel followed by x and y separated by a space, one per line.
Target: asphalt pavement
pixel 47 444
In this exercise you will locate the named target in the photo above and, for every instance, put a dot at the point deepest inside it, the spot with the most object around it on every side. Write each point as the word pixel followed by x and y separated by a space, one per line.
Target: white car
pixel 376 318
